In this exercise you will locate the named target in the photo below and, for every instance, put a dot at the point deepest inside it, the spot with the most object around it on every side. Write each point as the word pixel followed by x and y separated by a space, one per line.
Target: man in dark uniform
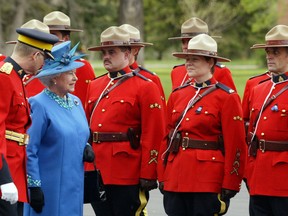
pixel 267 165
pixel 127 122
pixel 27 58
pixel 189 29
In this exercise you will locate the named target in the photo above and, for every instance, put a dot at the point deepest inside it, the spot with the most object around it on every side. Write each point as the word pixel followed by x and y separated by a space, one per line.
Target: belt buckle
pixel 25 139
pixel 185 142
pixel 96 137
pixel 262 145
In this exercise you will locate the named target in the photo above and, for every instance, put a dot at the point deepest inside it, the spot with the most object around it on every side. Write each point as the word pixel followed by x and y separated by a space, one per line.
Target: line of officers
pixel 194 148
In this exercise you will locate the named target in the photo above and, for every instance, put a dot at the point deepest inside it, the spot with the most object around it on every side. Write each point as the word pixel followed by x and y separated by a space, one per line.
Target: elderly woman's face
pixel 65 82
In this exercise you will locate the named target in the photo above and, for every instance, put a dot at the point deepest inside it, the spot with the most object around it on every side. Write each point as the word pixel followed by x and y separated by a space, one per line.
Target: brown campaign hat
pixel 59 21
pixel 114 37
pixel 134 34
pixel 201 45
pixel 276 37
pixel 36 34
pixel 192 27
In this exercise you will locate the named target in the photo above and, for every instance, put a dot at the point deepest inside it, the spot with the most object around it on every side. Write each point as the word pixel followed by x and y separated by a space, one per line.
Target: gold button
pixel 22 103
pixel 262 134
pixel 103 110
pixel 173 111
pixel 206 112
pixel 265 118
pixel 112 83
pixel 20 93
pixel 234 118
pixel 107 96
pixel 187 119
pixel 122 101
pixel 99 125
pixel 186 134
pixel 283 111
pixel 213 158
pixel 252 109
pixel 89 101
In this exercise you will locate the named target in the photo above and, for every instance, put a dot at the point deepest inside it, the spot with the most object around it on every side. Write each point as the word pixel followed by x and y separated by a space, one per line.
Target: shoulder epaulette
pixel 178 65
pixel 136 73
pixel 262 81
pixel 218 64
pixel 147 70
pixel 224 88
pixel 7 68
pixel 100 76
pixel 258 75
pixel 181 87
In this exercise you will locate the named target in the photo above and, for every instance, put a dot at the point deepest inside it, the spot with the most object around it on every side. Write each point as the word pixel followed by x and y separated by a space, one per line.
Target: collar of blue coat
pixel 64 60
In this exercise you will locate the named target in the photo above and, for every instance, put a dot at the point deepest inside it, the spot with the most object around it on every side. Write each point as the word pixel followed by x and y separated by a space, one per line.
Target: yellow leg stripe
pixel 143 202
pixel 223 205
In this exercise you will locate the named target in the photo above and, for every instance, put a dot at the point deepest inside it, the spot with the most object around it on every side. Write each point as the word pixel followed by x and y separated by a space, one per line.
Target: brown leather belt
pixel 265 145
pixel 22 139
pixel 109 137
pixel 199 144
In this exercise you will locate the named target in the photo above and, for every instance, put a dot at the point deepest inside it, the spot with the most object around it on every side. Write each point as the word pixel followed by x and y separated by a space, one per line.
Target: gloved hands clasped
pixel 88 155
pixel 148 184
pixel 9 192
pixel 36 199
pixel 227 194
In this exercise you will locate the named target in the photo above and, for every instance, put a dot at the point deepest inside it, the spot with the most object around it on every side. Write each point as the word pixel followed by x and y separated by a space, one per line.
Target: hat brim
pixel 142 43
pixel 189 37
pixel 263 46
pixel 186 55
pixel 59 69
pixel 99 48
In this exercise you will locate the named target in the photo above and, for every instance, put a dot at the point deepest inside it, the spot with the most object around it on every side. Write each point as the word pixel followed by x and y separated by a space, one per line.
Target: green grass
pixel 241 71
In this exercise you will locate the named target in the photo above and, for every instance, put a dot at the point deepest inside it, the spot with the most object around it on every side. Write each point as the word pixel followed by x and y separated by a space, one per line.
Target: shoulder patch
pixel 258 75
pixel 178 65
pixel 224 88
pixel 7 67
pixel 147 70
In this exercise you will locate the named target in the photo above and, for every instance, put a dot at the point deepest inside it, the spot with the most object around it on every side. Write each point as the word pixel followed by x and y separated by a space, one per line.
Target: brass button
pixel 187 119
pixel 103 110
pixel 262 134
pixel 99 125
pixel 186 134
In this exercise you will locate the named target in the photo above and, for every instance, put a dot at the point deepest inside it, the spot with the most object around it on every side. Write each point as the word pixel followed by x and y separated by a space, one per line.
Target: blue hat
pixel 64 60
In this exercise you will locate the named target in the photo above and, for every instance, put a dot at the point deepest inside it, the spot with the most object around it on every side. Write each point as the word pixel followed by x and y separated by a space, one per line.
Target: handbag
pixel 94 190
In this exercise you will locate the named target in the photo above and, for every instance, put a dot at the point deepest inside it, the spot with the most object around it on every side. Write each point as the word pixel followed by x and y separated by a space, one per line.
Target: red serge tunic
pixel 268 171
pixel 14 116
pixel 195 170
pixel 135 103
pixel 221 74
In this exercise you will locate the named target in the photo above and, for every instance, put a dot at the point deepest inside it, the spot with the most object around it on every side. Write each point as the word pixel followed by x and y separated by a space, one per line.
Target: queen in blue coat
pixel 58 140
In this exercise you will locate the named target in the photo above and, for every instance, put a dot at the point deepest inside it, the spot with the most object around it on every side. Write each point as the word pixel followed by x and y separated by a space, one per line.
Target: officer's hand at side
pixel 36 199
pixel 147 184
pixel 227 194
pixel 161 187
pixel 9 192
pixel 88 154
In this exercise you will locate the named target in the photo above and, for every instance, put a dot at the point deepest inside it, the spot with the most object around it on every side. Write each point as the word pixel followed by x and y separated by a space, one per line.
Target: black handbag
pixel 94 190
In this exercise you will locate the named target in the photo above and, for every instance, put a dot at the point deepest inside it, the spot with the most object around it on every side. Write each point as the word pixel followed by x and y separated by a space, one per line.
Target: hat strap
pixel 205 52
pixel 115 43
pixel 59 26
pixel 277 42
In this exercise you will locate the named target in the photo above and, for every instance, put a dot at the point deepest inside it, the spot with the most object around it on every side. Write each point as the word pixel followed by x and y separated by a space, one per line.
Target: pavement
pixel 238 205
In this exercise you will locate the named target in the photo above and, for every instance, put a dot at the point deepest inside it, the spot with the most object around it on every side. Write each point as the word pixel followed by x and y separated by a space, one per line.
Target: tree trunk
pixel 131 12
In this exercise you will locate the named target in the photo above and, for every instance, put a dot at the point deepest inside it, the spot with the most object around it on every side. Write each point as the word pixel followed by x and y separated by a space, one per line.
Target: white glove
pixel 9 192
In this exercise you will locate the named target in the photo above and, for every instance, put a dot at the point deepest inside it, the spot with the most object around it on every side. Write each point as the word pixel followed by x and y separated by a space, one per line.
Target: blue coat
pixel 58 137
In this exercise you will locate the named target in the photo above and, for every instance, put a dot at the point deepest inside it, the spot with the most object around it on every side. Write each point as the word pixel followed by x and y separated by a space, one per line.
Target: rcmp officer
pixel 28 56
pixel 135 39
pixel 127 123
pixel 189 29
pixel 268 131
pixel 204 159
pixel 60 25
